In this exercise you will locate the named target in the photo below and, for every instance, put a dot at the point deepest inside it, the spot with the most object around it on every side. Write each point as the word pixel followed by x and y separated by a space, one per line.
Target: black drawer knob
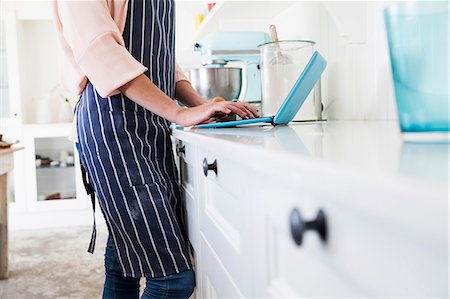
pixel 299 226
pixel 180 149
pixel 207 167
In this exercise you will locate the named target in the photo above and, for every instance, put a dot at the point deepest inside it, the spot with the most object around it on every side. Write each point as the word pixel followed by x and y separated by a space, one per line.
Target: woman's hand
pixel 206 112
pixel 142 91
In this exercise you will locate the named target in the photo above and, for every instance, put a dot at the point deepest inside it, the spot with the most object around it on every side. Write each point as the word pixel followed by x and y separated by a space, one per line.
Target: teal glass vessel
pixel 418 37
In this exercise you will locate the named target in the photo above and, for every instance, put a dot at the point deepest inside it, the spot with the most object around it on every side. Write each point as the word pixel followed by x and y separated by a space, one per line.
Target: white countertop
pixel 368 148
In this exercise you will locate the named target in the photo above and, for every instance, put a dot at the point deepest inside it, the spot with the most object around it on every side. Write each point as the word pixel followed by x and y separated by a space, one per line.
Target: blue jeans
pixel 175 286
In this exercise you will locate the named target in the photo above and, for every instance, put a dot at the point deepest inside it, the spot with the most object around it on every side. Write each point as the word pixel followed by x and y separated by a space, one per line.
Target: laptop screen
pixel 301 89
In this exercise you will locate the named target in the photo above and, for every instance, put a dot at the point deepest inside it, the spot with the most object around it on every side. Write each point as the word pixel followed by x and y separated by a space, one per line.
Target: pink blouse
pixel 93 48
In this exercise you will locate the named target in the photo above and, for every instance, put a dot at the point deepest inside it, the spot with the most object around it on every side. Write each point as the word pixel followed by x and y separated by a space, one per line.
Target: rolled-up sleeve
pixel 97 44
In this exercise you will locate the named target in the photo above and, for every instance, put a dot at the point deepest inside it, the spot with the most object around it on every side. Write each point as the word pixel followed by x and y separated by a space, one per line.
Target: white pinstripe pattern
pixel 134 189
pixel 146 161
pixel 106 209
pixel 164 202
pixel 94 171
pixel 142 34
pixel 83 125
pixel 119 184
pixel 152 36
pixel 172 65
pixel 158 119
pixel 137 163
pixel 165 136
pixel 123 150
pixel 173 7
pixel 130 47
pixel 149 193
pixel 159 44
pixel 166 83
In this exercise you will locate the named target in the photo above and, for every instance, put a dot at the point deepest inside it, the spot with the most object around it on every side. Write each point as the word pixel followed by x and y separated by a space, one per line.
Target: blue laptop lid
pixel 298 94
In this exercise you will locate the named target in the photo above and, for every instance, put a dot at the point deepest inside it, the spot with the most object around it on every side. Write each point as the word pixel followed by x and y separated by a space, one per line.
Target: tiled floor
pixel 54 263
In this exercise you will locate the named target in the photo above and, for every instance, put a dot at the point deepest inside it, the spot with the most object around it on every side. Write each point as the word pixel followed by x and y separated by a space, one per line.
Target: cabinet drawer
pixel 283 269
pixel 225 220
pixel 216 281
pixel 191 217
pixel 226 225
pixel 381 245
pixel 186 154
pixel 376 247
pixel 232 177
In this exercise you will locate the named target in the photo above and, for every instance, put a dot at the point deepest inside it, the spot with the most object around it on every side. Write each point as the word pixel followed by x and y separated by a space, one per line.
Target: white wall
pixel 185 30
pixel 351 35
pixel 39 71
pixel 360 86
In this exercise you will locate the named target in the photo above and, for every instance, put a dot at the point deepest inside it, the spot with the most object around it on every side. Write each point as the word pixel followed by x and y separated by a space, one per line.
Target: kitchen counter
pixel 371 149
pixel 384 204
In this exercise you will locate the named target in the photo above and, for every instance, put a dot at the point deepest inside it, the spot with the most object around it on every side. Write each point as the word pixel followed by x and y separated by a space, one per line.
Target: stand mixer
pixel 217 51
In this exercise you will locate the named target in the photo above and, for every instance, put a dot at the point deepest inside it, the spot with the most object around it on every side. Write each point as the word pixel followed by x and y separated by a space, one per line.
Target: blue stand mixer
pixel 217 50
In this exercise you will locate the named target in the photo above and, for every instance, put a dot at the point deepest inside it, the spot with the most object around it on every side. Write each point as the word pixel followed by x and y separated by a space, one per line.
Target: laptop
pixel 291 104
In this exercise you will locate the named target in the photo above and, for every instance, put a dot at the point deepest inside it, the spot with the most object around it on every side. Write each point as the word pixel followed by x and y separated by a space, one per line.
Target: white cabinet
pixel 185 160
pixel 381 240
pixel 377 243
pixel 31 106
pixel 185 163
pixel 284 269
pixel 52 185
pixel 217 282
pixel 10 106
pixel 225 216
pixel 217 222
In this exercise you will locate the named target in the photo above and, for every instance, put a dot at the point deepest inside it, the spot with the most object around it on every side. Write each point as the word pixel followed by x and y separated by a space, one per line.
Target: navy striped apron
pixel 127 153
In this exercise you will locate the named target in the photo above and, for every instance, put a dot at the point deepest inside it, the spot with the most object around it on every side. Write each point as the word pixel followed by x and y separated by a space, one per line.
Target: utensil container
pixel 418 37
pixel 278 76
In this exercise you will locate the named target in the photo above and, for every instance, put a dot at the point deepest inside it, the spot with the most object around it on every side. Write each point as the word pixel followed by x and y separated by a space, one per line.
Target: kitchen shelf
pixel 40 201
pixel 55 167
pixel 237 10
pixel 47 125
pixel 209 18
pixel 48 129
pixel 30 43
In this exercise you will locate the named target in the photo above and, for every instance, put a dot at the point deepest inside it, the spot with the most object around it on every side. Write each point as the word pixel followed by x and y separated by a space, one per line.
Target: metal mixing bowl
pixel 211 82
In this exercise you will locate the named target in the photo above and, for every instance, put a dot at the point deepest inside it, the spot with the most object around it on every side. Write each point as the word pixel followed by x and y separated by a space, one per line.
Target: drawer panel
pixel 376 247
pixel 216 281
pixel 283 269
pixel 191 217
pixel 186 162
pixel 232 177
pixel 225 224
pixel 386 257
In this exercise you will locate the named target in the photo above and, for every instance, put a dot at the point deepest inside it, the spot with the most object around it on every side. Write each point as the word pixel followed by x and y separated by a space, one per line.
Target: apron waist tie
pixel 90 191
